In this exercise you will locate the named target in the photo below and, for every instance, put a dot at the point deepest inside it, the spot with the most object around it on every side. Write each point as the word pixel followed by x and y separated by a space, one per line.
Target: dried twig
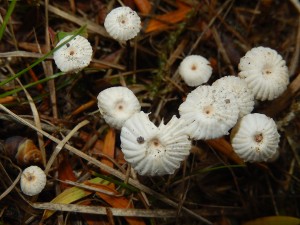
pixel 108 169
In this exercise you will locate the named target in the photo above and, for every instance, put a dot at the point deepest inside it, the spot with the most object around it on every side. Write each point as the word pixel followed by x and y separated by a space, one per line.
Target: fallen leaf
pixel 67 196
pixel 161 22
pixel 109 147
pixel 65 172
pixel 223 146
pixel 144 6
pixel 274 220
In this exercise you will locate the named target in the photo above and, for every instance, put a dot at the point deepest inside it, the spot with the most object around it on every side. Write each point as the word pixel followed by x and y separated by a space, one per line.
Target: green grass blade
pixel 7 16
pixel 31 84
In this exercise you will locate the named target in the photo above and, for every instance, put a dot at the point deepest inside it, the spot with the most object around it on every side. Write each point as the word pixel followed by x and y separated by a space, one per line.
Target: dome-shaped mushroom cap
pixel 209 112
pixel 154 150
pixel 33 180
pixel 117 104
pixel 265 72
pixel 122 23
pixel 255 138
pixel 195 70
pixel 239 87
pixel 74 55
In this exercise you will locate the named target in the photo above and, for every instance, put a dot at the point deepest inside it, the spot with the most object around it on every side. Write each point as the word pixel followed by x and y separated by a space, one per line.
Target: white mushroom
pixel 255 138
pixel 74 55
pixel 33 180
pixel 122 23
pixel 117 104
pixel 195 70
pixel 265 72
pixel 154 150
pixel 238 86
pixel 209 112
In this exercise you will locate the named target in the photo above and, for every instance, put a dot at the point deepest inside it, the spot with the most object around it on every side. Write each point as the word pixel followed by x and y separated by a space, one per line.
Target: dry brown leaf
pixel 223 146
pixel 144 6
pixel 161 22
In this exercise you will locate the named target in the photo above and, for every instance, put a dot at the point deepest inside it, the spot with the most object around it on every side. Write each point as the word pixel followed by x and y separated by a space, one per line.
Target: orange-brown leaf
pixel 117 201
pixel 109 147
pixel 7 99
pixel 65 172
pixel 223 146
pixel 144 6
pixel 160 22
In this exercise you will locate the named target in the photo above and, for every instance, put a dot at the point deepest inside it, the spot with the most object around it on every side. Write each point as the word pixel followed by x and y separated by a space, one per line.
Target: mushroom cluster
pixel 209 111
pixel 149 149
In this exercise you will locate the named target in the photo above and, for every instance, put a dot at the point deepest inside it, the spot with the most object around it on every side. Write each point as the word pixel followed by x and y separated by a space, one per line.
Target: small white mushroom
pixel 209 112
pixel 74 55
pixel 195 70
pixel 122 23
pixel 117 104
pixel 33 180
pixel 255 138
pixel 238 86
pixel 265 72
pixel 154 150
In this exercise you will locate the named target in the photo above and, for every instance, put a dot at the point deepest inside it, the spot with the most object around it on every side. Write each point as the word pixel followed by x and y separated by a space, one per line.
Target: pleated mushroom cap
pixel 238 86
pixel 265 72
pixel 33 180
pixel 209 112
pixel 255 138
pixel 195 70
pixel 117 104
pixel 122 23
pixel 74 55
pixel 154 150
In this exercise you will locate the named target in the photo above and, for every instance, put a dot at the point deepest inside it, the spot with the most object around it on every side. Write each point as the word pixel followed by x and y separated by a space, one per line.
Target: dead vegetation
pixel 81 154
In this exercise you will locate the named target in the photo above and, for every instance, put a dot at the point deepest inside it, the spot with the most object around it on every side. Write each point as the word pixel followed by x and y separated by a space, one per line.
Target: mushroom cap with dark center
pixel 255 138
pixel 33 180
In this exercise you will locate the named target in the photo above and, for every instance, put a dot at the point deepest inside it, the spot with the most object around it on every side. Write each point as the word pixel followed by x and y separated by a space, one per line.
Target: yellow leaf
pixel 274 220
pixel 68 196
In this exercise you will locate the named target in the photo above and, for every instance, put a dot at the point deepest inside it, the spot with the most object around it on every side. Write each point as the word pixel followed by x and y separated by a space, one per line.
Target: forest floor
pixel 88 180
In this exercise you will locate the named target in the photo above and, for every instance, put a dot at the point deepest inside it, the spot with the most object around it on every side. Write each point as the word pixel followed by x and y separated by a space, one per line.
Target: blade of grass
pixel 16 90
pixel 108 169
pixel 7 17
pixel 42 58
